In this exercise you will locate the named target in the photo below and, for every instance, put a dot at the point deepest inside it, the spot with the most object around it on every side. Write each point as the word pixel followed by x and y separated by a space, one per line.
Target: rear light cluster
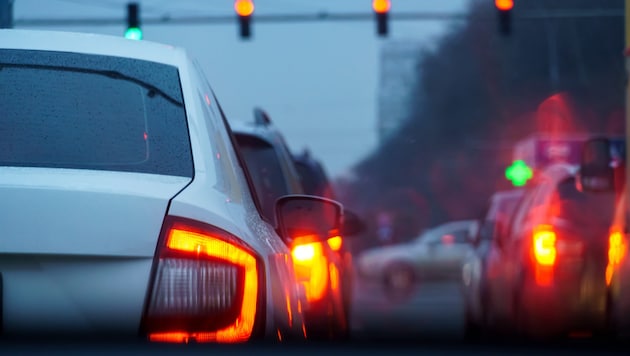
pixel 616 253
pixel 205 288
pixel 545 245
pixel 544 253
pixel 335 243
pixel 547 248
pixel 311 268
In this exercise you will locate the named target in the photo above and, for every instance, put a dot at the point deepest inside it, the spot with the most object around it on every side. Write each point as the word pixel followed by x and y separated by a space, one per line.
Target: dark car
pixel 492 225
pixel 546 274
pixel 315 182
pixel 270 166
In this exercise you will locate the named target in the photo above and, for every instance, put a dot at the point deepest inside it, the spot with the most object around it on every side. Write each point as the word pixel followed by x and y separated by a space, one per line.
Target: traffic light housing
pixel 133 32
pixel 244 10
pixel 381 11
pixel 504 12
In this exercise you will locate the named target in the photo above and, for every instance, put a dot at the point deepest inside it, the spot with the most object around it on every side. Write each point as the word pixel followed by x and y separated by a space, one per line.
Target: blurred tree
pixel 479 92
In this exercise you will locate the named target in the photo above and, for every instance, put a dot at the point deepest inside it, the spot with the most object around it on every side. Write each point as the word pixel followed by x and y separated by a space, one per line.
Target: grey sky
pixel 318 81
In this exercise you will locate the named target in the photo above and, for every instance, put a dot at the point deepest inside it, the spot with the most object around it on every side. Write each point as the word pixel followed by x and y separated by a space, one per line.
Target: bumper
pixel 572 301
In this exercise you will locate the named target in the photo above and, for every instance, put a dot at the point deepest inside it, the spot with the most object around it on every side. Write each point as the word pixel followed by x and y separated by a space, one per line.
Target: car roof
pixel 505 199
pixel 88 43
pixel 267 132
pixel 556 173
pixel 508 194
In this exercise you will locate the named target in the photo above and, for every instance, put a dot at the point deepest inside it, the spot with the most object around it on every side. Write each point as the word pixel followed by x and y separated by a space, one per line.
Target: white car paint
pixel 77 246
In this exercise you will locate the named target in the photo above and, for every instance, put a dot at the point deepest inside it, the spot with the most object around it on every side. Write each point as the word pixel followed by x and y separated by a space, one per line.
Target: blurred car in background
pixel 271 168
pixel 603 171
pixel 125 210
pixel 437 254
pixel 545 276
pixel 493 224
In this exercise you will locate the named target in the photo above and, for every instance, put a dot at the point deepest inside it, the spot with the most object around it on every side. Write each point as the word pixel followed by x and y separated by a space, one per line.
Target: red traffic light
pixel 381 6
pixel 504 5
pixel 244 7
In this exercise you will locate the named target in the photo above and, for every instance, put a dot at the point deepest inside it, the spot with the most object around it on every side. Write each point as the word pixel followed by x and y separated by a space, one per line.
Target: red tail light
pixel 311 267
pixel 544 245
pixel 205 287
pixel 544 253
pixel 616 253
pixel 335 243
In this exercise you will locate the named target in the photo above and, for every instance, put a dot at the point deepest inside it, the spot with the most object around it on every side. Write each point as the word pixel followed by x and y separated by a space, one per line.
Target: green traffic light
pixel 518 173
pixel 133 33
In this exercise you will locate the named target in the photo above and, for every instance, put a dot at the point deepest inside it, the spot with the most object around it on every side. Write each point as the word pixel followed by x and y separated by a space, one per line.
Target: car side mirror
pixel 596 173
pixel 352 224
pixel 307 218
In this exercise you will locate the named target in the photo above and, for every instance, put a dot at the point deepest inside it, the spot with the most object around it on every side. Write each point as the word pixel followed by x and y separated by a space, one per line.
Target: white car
pixel 124 209
pixel 437 254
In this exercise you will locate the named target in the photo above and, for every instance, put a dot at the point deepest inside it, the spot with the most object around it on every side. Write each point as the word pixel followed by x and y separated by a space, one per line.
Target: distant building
pixel 398 76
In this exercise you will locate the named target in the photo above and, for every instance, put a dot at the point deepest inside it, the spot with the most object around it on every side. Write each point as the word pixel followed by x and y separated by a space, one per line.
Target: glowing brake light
pixel 311 268
pixel 616 253
pixel 545 245
pixel 303 253
pixel 205 288
pixel 335 243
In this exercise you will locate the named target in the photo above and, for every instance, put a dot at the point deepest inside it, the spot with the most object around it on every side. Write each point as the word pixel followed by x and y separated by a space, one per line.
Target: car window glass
pixel 264 168
pixel 461 236
pixel 82 115
pixel 521 212
pixel 587 209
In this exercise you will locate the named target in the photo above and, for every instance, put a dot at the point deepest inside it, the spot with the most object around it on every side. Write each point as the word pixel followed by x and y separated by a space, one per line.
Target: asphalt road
pixel 434 312
pixel 430 320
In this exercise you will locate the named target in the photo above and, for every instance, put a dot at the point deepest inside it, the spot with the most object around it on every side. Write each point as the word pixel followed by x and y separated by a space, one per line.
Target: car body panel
pixel 430 255
pixel 493 224
pixel 576 294
pixel 322 314
pixel 96 284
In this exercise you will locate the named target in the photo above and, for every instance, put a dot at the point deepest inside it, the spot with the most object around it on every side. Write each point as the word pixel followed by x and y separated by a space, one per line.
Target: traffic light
pixel 504 11
pixel 133 31
pixel 518 173
pixel 381 11
pixel 244 10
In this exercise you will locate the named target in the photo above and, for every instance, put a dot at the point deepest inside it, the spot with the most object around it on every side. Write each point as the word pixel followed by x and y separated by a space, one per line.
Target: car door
pixel 449 251
pixel 422 251
pixel 500 265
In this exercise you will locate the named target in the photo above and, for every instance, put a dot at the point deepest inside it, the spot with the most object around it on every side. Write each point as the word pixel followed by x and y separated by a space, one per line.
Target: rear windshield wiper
pixel 152 89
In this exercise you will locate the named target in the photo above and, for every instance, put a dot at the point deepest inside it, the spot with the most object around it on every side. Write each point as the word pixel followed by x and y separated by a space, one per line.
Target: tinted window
pixel 587 209
pixel 502 209
pixel 461 236
pixel 264 168
pixel 67 110
pixel 313 180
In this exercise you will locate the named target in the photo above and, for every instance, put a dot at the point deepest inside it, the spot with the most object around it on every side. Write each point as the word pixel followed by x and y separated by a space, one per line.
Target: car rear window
pixel 263 165
pixel 70 110
pixel 593 209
